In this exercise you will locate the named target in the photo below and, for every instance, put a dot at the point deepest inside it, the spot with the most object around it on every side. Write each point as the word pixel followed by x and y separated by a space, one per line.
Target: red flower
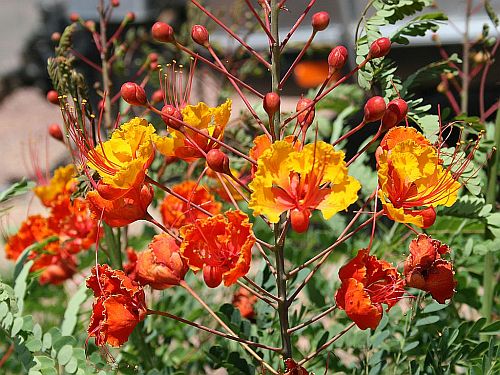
pixel 243 300
pixel 221 246
pixel 367 283
pixel 426 270
pixel 161 265
pixel 55 268
pixel 123 210
pixel 176 213
pixel 118 307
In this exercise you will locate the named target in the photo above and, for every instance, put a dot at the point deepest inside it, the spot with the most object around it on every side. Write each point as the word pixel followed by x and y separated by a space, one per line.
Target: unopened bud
pixel 53 97
pixel 379 48
pixel 157 96
pixel 153 57
pixel 55 37
pixel 320 21
pixel 218 161
pixel 74 17
pixel 171 116
pixel 162 32
pixel 396 111
pixel 56 132
pixel 153 66
pixel 374 109
pixel 133 94
pixel 90 25
pixel 271 103
pixel 199 34
pixel 300 220
pixel 130 17
pixel 306 116
pixel 337 59
pixel 115 3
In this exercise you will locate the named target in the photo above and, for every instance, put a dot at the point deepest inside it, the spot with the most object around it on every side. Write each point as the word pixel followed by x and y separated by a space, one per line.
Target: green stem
pixel 489 259
pixel 464 94
pixel 113 246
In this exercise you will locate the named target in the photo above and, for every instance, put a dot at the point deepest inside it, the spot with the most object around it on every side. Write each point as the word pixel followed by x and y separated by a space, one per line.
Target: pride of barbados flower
pixel 412 179
pixel 301 181
pixel 190 145
pixel 118 306
pixel 425 268
pixel 123 160
pixel 220 245
pixel 367 283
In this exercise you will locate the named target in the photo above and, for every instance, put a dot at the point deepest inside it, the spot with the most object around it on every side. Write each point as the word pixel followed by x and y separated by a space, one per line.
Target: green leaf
pixel 427 320
pixel 16 189
pixel 33 345
pixel 71 313
pixel 468 207
pixel 492 329
pixel 418 27
pixel 64 355
pixel 20 284
pixel 491 12
pixel 433 307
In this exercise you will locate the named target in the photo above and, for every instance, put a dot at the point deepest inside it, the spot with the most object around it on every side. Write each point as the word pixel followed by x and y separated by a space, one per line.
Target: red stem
pixel 297 23
pixel 259 20
pixel 297 59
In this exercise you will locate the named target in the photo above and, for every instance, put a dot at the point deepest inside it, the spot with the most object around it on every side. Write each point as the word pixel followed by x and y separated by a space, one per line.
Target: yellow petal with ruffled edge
pixel 127 154
pixel 57 184
pixel 399 215
pixel 165 145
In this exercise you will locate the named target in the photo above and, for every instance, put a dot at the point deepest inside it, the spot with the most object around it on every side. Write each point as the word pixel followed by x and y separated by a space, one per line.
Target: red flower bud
pixel 157 96
pixel 212 275
pixel 379 48
pixel 374 109
pixel 306 117
pixel 396 111
pixel 115 3
pixel 130 17
pixel 199 34
pixel 53 97
pixel 218 161
pixel 170 114
pixel 133 94
pixel 153 57
pixel 271 103
pixel 300 220
pixel 74 17
pixel 55 37
pixel 337 59
pixel 90 25
pixel 320 21
pixel 163 32
pixel 56 132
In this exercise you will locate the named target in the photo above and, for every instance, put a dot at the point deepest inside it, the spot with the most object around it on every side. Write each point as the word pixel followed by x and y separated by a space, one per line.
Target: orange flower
pixel 124 210
pixel 310 74
pixel 412 179
pixel 243 300
pixel 221 246
pixel 118 307
pixel 367 283
pixel 301 181
pixel 262 143
pixel 161 265
pixel 176 213
pixel 426 270
pixel 55 268
pixel 61 185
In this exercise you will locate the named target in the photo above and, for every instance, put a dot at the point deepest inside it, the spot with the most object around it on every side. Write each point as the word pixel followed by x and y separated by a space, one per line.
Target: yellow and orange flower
pixel 122 161
pixel 186 145
pixel 262 143
pixel 123 210
pixel 177 213
pixel 367 283
pixel 301 181
pixel 62 184
pixel 221 246
pixel 161 265
pixel 118 307
pixel 425 268
pixel 412 179
pixel 244 301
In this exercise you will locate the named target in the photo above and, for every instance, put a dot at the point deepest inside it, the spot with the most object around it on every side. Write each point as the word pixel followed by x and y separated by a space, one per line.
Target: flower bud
pixel 306 117
pixel 130 17
pixel 199 34
pixel 374 109
pixel 74 17
pixel 56 132
pixel 115 3
pixel 300 220
pixel 320 21
pixel 90 25
pixel 53 97
pixel 271 103
pixel 170 114
pixel 395 113
pixel 379 48
pixel 157 96
pixel 55 37
pixel 212 275
pixel 218 161
pixel 337 59
pixel 133 94
pixel 162 32
pixel 153 57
